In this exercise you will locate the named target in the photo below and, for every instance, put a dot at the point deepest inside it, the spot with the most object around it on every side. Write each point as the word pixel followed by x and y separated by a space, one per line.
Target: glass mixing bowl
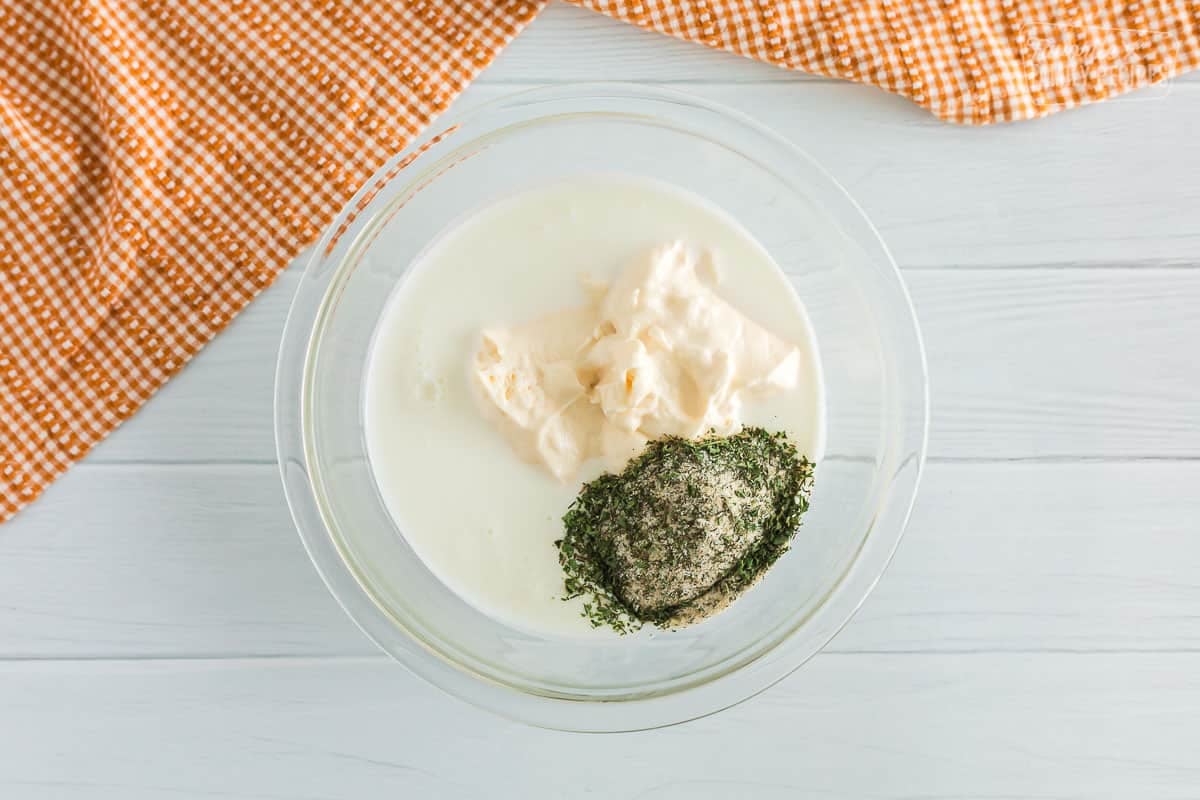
pixel 870 347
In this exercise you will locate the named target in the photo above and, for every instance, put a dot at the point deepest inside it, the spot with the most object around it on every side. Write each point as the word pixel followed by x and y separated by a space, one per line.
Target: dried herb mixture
pixel 687 527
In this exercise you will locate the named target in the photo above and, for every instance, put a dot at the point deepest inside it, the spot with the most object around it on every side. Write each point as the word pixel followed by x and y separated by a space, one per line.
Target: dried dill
pixel 684 529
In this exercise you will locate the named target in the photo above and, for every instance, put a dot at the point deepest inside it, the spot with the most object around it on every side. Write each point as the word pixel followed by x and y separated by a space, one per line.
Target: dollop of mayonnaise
pixel 657 352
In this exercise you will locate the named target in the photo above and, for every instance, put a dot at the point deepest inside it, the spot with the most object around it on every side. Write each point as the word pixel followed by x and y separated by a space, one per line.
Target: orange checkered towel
pixel 162 160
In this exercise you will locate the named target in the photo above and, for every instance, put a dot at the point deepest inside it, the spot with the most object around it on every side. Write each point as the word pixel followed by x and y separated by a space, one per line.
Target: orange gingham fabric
pixel 967 61
pixel 162 160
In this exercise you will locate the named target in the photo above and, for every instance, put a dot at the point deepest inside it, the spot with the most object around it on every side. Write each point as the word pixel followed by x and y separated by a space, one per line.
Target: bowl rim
pixel 736 685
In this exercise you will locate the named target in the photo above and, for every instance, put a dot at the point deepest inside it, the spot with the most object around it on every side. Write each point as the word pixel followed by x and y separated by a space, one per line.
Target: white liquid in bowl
pixel 481 519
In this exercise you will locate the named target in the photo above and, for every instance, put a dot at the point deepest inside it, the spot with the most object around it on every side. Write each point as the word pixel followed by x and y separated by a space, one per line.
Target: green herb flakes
pixel 687 527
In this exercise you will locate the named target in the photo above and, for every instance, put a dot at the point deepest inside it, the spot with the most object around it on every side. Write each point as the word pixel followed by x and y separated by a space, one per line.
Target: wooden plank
pixel 161 561
pixel 1088 186
pixel 1023 364
pixel 1084 187
pixel 1059 363
pixel 203 561
pixel 887 727
pixel 1047 557
pixel 567 44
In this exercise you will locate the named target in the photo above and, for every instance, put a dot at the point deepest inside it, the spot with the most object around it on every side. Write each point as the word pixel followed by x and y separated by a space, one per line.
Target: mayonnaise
pixel 658 352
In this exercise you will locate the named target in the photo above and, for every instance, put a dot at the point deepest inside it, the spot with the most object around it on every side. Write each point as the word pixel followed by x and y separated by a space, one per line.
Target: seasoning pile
pixel 686 528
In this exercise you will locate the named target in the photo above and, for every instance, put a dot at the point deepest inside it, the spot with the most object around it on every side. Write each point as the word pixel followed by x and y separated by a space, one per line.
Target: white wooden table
pixel 162 633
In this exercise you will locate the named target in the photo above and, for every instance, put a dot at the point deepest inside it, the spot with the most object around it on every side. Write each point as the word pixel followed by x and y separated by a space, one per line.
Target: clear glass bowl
pixel 870 347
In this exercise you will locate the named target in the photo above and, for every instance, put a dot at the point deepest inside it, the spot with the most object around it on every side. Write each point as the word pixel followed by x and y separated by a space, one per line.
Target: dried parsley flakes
pixel 687 527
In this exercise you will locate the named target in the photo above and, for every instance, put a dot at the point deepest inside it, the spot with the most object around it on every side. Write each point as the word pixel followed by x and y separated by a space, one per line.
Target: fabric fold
pixel 966 61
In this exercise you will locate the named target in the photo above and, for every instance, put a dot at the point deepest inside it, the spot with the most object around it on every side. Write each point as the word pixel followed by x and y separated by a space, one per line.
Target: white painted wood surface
pixel 1038 635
